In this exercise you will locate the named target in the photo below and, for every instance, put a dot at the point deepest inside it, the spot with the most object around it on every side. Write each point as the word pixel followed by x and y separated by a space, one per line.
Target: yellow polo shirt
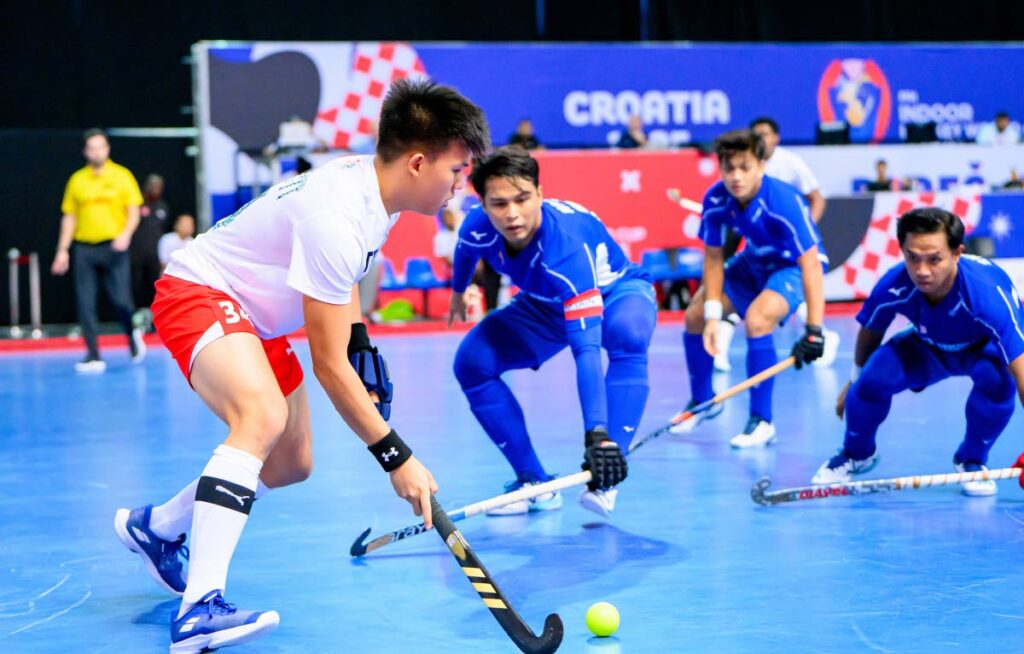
pixel 100 201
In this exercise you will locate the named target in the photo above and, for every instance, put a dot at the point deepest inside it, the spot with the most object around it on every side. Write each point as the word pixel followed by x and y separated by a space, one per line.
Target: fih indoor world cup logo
pixel 856 91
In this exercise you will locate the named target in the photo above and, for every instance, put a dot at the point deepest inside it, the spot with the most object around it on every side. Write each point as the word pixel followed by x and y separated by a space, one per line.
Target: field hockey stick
pixel 758 492
pixel 361 548
pixel 690 205
pixel 718 399
pixel 510 621
pixel 526 493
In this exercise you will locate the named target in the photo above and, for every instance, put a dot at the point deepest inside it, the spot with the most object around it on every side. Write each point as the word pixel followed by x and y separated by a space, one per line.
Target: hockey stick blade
pixel 514 625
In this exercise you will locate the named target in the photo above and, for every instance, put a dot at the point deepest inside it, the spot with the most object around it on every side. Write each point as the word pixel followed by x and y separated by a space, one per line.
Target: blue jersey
pixel 982 307
pixel 569 265
pixel 776 224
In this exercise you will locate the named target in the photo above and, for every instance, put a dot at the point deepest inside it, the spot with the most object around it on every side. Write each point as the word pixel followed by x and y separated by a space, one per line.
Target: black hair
pixel 509 162
pixel 95 131
pixel 1002 114
pixel 738 141
pixel 765 120
pixel 423 114
pixel 930 220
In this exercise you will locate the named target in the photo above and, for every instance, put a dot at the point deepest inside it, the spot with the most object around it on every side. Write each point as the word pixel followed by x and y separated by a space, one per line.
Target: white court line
pixel 31 602
pixel 56 615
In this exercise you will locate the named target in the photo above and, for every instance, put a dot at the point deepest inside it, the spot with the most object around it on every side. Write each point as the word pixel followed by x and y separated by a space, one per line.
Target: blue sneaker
pixel 544 502
pixel 214 623
pixel 162 557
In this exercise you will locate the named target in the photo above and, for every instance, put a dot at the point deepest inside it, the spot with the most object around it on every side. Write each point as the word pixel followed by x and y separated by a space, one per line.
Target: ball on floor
pixel 602 619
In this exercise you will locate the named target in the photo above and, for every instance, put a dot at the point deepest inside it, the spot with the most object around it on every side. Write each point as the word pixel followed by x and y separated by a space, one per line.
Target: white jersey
pixel 315 234
pixel 790 168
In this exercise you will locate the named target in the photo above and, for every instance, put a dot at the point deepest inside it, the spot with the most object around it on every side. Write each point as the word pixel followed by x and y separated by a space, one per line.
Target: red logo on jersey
pixel 585 305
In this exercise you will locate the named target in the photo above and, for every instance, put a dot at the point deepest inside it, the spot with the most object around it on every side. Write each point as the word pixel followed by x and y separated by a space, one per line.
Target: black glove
pixel 371 368
pixel 604 459
pixel 810 347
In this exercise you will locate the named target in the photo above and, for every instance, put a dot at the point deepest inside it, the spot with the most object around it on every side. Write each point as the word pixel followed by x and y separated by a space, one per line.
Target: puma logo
pixel 238 498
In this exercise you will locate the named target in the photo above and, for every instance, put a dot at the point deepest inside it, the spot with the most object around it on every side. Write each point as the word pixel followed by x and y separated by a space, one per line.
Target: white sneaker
pixel 841 468
pixel 980 488
pixel 726 330
pixel 757 432
pixel 688 425
pixel 601 502
pixel 137 345
pixel 831 349
pixel 546 502
pixel 91 366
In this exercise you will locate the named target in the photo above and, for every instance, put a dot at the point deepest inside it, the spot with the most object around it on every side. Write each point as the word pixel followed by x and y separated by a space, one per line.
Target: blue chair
pixel 689 264
pixel 389 281
pixel 655 262
pixel 419 274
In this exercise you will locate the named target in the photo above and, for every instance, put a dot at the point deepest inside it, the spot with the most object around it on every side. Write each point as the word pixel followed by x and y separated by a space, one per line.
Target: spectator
pixel 145 261
pixel 184 229
pixel 446 238
pixel 634 136
pixel 786 165
pixel 999 132
pixel 525 137
pixel 101 211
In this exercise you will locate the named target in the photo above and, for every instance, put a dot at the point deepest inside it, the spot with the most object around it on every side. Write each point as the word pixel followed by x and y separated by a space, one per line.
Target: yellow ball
pixel 602 619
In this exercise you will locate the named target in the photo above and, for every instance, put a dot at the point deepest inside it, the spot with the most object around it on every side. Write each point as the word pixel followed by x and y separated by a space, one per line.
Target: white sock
pixel 173 518
pixel 224 496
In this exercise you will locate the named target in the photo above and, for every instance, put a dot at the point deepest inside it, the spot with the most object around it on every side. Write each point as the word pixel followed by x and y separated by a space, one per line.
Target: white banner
pixel 846 169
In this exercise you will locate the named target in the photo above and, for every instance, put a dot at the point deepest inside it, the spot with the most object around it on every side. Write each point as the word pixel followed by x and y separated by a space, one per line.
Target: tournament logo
pixel 857 92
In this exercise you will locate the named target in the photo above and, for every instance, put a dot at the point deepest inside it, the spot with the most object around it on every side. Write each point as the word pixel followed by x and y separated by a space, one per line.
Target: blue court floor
pixel 692 564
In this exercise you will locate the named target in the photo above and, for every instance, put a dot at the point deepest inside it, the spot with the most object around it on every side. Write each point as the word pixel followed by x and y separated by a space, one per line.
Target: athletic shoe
pixel 91 365
pixel 162 557
pixel 601 502
pixel 546 502
pixel 725 333
pixel 981 488
pixel 214 623
pixel 757 432
pixel 688 425
pixel 137 345
pixel 842 467
pixel 831 348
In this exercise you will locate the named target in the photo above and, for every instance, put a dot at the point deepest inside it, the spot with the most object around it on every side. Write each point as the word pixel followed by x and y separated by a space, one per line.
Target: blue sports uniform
pixel 975 331
pixel 777 227
pixel 577 289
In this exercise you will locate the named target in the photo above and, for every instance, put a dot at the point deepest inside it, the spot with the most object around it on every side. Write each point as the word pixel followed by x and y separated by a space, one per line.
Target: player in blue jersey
pixel 966 320
pixel 780 267
pixel 577 289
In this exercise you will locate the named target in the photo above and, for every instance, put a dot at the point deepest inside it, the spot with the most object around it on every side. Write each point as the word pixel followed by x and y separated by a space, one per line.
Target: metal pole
pixel 34 297
pixel 12 284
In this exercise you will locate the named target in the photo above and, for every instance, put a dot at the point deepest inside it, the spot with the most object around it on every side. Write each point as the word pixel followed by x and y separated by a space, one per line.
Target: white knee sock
pixel 224 496
pixel 174 517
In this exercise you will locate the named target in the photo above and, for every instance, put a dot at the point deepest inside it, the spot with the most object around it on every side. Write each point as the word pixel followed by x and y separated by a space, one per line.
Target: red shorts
pixel 190 316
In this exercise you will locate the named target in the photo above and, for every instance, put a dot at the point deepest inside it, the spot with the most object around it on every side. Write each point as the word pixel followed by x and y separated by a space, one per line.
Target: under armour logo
pixel 630 181
pixel 898 291
pixel 238 498
pixel 477 235
pixel 390 453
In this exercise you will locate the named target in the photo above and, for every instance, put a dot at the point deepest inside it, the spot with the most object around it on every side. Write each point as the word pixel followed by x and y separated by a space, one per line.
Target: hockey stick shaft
pixel 470 510
pixel 718 399
pixel 492 597
pixel 760 494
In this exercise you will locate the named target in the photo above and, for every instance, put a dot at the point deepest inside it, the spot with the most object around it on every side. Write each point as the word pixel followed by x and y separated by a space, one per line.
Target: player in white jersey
pixel 291 257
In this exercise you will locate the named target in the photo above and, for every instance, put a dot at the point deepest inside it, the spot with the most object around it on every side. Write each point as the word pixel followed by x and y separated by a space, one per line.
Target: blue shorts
pixel 744 281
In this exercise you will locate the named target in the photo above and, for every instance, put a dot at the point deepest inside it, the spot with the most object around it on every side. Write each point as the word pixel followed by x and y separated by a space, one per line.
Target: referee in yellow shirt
pixel 101 211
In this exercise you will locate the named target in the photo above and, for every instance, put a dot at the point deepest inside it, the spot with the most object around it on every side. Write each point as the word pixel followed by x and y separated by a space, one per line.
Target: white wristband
pixel 712 310
pixel 854 373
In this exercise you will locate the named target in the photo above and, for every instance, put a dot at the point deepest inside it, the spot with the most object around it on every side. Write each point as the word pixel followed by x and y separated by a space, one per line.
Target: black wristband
pixel 813 329
pixel 596 435
pixel 359 339
pixel 390 451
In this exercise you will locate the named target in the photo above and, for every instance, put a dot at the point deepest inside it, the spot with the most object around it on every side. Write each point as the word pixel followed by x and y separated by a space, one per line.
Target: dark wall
pixel 37 165
pixel 80 63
